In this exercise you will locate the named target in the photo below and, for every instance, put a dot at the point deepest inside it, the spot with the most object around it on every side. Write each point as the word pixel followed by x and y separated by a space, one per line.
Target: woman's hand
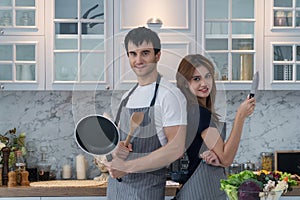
pixel 211 158
pixel 247 107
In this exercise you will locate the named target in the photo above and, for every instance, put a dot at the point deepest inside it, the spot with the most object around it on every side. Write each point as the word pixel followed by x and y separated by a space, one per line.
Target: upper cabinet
pixel 22 44
pixel 282 17
pixel 79 44
pixel 173 20
pixel 22 17
pixel 230 32
pixel 282 44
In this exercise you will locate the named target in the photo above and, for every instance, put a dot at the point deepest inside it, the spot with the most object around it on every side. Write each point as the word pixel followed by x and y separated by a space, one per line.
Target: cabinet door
pixel 22 62
pixel 173 49
pixel 22 17
pixel 79 46
pixel 20 198
pixel 230 32
pixel 74 198
pixel 176 28
pixel 282 18
pixel 282 63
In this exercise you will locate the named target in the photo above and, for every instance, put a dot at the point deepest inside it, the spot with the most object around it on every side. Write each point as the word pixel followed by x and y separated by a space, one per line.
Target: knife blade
pixel 254 85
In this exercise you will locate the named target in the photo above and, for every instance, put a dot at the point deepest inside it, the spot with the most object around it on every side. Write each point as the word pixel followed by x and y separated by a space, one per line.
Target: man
pixel 160 139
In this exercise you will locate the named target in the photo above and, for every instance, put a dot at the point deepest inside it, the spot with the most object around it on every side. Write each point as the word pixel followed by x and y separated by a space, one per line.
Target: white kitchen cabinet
pixel 22 45
pixel 20 198
pixel 22 17
pixel 282 45
pixel 22 62
pixel 173 49
pixel 231 34
pixel 74 198
pixel 79 44
pixel 177 32
pixel 282 17
pixel 282 63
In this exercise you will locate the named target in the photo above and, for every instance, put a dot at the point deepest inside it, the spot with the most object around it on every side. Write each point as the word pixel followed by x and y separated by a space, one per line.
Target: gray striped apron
pixel 139 186
pixel 204 184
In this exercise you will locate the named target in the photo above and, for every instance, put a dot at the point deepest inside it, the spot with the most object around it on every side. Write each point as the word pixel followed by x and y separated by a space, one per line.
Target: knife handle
pixel 251 95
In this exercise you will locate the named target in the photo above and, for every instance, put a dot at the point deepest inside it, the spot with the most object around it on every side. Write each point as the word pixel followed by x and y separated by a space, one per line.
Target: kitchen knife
pixel 254 86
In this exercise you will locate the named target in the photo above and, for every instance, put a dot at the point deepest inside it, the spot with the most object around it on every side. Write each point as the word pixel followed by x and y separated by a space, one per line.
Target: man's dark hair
pixel 138 35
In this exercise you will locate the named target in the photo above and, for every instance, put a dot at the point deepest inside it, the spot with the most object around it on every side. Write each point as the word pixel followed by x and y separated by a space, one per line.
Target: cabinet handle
pixel 1 31
pixel 107 87
pixel 1 87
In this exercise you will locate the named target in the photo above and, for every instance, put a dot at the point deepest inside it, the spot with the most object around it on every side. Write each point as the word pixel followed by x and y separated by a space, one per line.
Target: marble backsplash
pixel 48 118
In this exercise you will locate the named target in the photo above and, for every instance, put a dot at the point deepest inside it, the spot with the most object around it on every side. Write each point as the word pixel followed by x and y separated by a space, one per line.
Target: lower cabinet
pixel 73 198
pixel 20 198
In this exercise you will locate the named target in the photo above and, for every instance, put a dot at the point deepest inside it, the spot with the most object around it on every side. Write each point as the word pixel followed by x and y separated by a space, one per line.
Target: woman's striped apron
pixel 139 186
pixel 204 184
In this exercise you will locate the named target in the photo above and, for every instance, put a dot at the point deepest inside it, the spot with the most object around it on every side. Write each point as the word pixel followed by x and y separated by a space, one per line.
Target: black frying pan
pixel 97 135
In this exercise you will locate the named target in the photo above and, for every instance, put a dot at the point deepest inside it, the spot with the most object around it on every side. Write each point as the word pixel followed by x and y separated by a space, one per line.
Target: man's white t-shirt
pixel 169 107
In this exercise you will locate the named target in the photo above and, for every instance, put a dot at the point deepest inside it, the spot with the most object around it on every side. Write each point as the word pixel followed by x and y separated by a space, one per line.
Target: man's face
pixel 142 58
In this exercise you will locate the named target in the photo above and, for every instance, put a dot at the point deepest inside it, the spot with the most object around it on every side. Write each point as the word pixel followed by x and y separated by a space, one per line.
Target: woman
pixel 195 78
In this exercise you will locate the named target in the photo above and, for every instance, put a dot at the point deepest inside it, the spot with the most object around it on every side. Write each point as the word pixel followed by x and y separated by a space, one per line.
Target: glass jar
pixel 31 162
pixel 234 168
pixel 43 166
pixel 267 161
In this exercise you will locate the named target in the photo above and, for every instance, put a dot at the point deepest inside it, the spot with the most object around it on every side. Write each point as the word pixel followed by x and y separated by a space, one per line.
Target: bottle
pixel 267 161
pixel 19 166
pixel 31 165
pixel 43 166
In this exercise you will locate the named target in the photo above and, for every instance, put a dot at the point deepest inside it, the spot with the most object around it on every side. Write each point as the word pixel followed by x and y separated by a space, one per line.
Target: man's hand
pixel 115 167
pixel 122 151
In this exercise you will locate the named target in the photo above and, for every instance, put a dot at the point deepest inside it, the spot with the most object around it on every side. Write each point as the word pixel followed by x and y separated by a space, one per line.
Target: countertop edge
pixel 28 191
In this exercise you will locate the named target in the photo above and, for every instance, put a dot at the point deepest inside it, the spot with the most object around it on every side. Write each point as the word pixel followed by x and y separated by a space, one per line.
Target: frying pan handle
pixel 109 158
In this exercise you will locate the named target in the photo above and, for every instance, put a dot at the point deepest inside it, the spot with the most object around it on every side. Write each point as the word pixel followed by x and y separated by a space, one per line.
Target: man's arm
pixel 157 159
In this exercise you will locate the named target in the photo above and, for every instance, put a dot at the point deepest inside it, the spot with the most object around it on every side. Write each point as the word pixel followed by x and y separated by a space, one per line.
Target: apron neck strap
pixel 125 100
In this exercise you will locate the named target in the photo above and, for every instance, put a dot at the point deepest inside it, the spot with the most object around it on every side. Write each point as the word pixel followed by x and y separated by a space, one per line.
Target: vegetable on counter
pixel 248 185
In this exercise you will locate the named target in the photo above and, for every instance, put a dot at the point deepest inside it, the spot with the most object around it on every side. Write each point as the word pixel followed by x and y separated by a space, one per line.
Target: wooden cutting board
pixel 68 183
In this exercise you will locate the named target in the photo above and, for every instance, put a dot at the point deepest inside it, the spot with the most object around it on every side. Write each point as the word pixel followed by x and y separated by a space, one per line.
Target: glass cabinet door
pixel 79 45
pixel 22 62
pixel 286 65
pixel 17 13
pixel 18 62
pixel 229 35
pixel 286 13
pixel 22 17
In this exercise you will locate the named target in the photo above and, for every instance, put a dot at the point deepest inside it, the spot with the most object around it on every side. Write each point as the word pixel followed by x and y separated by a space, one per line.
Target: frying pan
pixel 97 135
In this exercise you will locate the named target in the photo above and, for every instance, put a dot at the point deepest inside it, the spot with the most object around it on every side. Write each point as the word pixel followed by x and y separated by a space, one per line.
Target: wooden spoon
pixel 135 120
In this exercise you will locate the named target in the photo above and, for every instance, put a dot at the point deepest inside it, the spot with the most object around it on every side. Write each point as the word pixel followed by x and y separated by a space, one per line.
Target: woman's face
pixel 201 82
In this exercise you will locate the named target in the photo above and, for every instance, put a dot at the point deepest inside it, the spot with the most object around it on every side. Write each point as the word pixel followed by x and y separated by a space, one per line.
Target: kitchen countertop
pixel 28 191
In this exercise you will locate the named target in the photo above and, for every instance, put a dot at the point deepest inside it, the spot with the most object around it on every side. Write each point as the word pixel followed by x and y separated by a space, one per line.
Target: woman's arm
pixel 226 151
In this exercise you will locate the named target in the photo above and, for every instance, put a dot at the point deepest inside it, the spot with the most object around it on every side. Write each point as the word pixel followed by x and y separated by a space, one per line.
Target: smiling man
pixel 160 138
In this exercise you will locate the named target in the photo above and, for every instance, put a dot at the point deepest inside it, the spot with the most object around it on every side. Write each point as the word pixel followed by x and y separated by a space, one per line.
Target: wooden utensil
pixel 135 120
